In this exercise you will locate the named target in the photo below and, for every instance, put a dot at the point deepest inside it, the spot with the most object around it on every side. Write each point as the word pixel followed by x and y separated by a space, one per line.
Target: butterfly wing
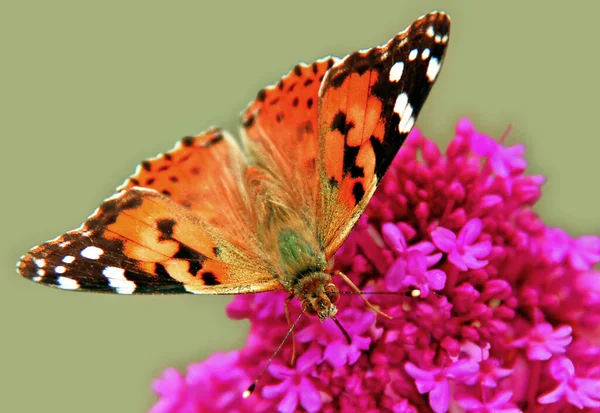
pixel 160 233
pixel 280 135
pixel 328 131
pixel 368 103
pixel 201 173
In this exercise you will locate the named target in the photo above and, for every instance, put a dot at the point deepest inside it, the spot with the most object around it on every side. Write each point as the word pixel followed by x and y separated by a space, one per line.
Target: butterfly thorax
pixel 318 294
pixel 302 266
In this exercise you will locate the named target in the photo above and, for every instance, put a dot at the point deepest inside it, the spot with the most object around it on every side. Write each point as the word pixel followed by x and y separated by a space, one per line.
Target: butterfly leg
pixel 355 288
pixel 289 320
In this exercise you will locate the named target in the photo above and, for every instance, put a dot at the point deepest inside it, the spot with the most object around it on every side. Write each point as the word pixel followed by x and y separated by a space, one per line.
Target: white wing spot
pixel 413 54
pixel 40 262
pixel 400 105
pixel 430 31
pixel 64 244
pixel 41 272
pixel 93 253
pixel 425 54
pixel 404 109
pixel 405 127
pixel 396 71
pixel 36 279
pixel 433 69
pixel 438 38
pixel 116 279
pixel 68 259
pixel 60 269
pixel 67 283
pixel 445 38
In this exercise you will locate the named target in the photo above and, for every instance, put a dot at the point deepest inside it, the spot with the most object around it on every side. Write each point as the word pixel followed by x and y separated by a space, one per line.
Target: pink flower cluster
pixel 505 317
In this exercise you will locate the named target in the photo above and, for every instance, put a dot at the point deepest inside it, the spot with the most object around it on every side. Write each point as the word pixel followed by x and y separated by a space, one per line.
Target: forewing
pixel 280 130
pixel 368 103
pixel 141 242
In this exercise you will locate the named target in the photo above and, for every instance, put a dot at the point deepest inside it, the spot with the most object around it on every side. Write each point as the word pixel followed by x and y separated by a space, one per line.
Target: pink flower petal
pixel 336 354
pixel 275 390
pixel 416 263
pixel 473 263
pixel 554 395
pixel 433 259
pixel 468 402
pixel 439 397
pixel 289 402
pixel 538 352
pixel 393 237
pixel 444 239
pixel 310 398
pixel 309 359
pixel 470 232
pixel 483 145
pixel 395 275
pixel 280 371
pixel 499 165
pixel 562 369
pixel 480 250
pixel 462 368
pixel 501 398
pixel 458 260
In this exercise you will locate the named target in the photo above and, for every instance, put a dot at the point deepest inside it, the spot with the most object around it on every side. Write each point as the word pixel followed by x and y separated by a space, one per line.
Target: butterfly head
pixel 318 295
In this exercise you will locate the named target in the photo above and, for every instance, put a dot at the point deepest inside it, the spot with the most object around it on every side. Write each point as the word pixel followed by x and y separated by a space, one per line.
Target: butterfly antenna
pixel 413 292
pixel 252 387
pixel 355 288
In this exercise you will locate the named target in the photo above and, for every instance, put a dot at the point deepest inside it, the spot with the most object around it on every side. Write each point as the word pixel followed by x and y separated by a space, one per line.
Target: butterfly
pixel 217 215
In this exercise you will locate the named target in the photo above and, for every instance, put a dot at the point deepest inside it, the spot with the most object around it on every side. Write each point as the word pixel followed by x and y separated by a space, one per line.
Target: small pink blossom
pixel 490 373
pixel 579 392
pixel 585 252
pixel 338 351
pixel 582 253
pixel 435 381
pixel 504 161
pixel 462 250
pixel 411 269
pixel 296 385
pixel 544 341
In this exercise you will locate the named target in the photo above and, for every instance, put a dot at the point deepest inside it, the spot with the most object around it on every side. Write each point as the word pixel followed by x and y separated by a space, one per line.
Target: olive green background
pixel 88 89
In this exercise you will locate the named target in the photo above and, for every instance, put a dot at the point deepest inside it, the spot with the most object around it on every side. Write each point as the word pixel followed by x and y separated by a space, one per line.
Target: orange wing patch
pixel 194 173
pixel 280 127
pixel 368 104
pixel 140 241
pixel 351 116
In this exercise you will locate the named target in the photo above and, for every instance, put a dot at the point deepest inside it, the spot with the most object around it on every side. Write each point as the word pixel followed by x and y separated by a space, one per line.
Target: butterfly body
pixel 217 215
pixel 304 274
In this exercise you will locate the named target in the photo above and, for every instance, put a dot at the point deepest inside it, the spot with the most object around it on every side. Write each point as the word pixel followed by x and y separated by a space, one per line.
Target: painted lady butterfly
pixel 214 216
